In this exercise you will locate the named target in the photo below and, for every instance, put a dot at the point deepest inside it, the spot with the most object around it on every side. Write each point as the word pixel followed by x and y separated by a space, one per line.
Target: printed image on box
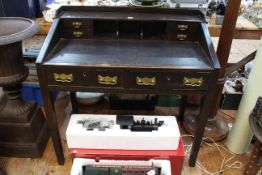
pixel 123 132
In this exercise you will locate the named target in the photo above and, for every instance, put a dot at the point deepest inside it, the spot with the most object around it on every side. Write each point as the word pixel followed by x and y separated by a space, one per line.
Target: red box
pixel 176 157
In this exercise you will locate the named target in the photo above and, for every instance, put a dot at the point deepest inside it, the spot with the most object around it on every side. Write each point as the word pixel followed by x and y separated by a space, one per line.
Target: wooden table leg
pixel 52 124
pixel 201 124
pixel 74 102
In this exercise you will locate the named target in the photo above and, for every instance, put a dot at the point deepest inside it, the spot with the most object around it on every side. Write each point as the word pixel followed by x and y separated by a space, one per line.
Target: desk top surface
pixel 129 53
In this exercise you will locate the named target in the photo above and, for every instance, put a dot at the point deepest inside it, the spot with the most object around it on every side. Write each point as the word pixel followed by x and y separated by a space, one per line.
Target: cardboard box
pixel 230 101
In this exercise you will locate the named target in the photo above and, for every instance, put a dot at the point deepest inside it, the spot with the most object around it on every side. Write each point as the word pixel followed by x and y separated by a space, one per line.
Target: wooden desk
pixel 128 50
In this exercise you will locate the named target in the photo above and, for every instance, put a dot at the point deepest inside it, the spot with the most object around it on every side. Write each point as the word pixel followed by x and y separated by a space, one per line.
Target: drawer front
pixel 77 34
pixel 84 77
pixel 104 78
pixel 177 81
pixel 182 31
pixel 144 80
pixel 65 77
pixel 77 24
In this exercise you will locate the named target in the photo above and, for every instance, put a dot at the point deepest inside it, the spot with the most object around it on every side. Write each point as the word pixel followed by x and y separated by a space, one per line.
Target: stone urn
pixel 20 122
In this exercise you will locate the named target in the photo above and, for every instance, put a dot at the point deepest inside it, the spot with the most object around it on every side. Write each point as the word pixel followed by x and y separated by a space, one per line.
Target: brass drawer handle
pixel 181 37
pixel 107 80
pixel 78 34
pixel 77 24
pixel 65 78
pixel 182 27
pixel 145 81
pixel 193 82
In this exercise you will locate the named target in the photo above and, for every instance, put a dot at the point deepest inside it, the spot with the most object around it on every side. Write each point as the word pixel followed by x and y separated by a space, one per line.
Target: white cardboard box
pixel 165 138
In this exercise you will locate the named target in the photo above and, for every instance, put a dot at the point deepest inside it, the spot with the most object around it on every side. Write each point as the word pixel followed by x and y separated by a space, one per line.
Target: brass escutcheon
pixel 182 27
pixel 145 81
pixel 76 24
pixel 181 37
pixel 107 80
pixel 193 82
pixel 78 34
pixel 65 78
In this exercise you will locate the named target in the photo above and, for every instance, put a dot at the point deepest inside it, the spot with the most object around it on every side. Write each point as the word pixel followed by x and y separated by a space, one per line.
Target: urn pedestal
pixel 23 129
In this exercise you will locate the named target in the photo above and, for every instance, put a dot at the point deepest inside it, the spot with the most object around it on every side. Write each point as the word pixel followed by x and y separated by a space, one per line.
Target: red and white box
pixel 115 146
pixel 175 157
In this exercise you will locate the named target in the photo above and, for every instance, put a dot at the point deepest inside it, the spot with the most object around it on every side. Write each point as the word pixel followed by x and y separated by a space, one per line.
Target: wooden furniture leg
pixel 50 114
pixel 200 127
pixel 74 102
pixel 52 124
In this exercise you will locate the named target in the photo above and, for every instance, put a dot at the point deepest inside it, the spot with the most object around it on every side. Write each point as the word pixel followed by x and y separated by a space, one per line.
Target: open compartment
pixel 130 29
pixel 154 30
pixel 105 28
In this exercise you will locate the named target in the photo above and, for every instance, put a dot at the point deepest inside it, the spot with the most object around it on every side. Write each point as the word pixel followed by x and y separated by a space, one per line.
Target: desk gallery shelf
pixel 244 29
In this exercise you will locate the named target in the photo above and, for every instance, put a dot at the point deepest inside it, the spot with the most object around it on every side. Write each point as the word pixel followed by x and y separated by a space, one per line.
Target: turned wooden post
pixel 216 127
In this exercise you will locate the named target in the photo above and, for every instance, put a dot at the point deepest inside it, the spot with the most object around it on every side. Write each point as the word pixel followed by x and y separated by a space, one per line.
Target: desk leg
pixel 200 128
pixel 74 102
pixel 52 124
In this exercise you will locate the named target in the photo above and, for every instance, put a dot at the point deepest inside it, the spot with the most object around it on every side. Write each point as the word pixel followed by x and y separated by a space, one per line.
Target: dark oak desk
pixel 128 50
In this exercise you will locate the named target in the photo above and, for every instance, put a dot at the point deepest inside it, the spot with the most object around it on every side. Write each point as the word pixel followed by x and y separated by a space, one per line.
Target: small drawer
pixel 64 76
pixel 183 26
pixel 187 81
pixel 144 80
pixel 103 78
pixel 75 34
pixel 181 36
pixel 77 24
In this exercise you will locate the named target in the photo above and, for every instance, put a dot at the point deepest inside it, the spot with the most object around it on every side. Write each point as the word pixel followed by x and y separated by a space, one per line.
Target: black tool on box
pixel 128 122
